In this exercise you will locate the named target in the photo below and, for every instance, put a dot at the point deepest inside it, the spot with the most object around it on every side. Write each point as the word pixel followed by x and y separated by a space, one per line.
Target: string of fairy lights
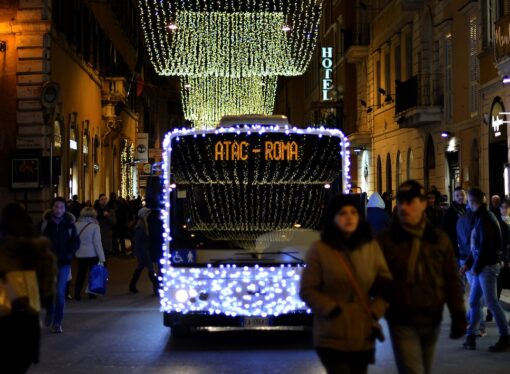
pixel 229 53
pixel 128 172
pixel 230 38
pixel 227 288
pixel 206 99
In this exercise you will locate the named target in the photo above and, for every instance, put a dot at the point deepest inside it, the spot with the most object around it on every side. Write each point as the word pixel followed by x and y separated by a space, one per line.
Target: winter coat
pixel 141 244
pixel 377 216
pixel 325 286
pixel 486 242
pixel 20 330
pixel 63 237
pixel 420 303
pixel 449 223
pixel 90 239
pixel 107 224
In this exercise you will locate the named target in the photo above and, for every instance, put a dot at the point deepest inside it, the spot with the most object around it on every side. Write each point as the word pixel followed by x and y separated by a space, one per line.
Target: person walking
pixel 107 221
pixel 22 248
pixel 344 283
pixel 484 264
pixel 456 209
pixel 142 252
pixel 422 261
pixel 90 252
pixel 59 226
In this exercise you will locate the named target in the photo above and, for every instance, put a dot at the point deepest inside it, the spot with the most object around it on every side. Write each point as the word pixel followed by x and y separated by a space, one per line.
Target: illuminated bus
pixel 242 205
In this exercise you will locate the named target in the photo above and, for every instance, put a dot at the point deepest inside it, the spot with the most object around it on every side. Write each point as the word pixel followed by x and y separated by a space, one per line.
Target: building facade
pixel 77 91
pixel 421 90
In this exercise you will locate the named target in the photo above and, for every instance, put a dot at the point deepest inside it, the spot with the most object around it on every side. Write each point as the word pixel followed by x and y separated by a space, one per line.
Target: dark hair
pixel 458 188
pixel 57 199
pixel 333 236
pixel 101 195
pixel 410 189
pixel 477 194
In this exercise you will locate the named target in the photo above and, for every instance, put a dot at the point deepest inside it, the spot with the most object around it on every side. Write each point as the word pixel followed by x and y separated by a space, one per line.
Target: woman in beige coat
pixel 345 326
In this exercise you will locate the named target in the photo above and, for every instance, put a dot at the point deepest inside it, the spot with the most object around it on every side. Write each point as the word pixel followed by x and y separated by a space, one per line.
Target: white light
pixel 286 28
pixel 327 186
pixel 181 296
pixel 173 185
pixel 173 26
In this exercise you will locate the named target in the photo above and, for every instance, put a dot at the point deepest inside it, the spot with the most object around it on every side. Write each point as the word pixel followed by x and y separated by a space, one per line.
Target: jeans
pixel 484 284
pixel 414 348
pixel 56 310
pixel 468 277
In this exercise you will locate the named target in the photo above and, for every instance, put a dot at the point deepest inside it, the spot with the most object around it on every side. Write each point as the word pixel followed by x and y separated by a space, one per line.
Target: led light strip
pixel 227 289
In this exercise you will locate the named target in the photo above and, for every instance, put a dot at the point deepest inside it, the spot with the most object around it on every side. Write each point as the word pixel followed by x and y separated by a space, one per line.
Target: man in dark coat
pixel 450 218
pixel 422 261
pixel 58 226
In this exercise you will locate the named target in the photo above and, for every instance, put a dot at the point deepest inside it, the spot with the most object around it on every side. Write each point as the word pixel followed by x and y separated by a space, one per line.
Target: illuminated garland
pixel 250 291
pixel 230 38
pixel 206 100
pixel 128 173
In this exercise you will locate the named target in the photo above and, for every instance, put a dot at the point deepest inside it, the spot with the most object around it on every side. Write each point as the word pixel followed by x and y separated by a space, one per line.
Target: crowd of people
pixel 87 234
pixel 405 263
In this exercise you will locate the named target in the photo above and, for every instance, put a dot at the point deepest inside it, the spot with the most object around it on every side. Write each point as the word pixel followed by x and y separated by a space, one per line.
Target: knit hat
pixel 339 201
pixel 410 189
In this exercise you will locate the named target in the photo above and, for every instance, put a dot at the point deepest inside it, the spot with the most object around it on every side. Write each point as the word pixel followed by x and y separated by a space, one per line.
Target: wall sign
pixel 327 65
pixel 497 131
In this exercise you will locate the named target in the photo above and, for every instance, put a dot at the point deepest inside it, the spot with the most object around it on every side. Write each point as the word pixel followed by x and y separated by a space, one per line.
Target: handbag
pixel 19 291
pixel 98 277
pixel 377 329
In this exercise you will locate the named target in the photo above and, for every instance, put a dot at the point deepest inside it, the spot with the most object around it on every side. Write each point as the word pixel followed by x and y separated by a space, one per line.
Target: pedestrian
pixel 90 252
pixel 449 221
pixel 422 261
pixel 107 221
pixel 377 216
pixel 22 248
pixel 484 264
pixel 433 212
pixel 504 224
pixel 142 252
pixel 59 226
pixel 495 203
pixel 465 225
pixel 344 283
pixel 75 207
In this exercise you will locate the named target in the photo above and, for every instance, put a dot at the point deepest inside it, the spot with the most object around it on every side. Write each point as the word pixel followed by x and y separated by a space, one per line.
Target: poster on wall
pixel 25 172
pixel 142 147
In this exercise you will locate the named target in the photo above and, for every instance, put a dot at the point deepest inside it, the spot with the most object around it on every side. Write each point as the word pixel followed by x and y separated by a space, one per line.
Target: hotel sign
pixel 327 65
pixel 502 38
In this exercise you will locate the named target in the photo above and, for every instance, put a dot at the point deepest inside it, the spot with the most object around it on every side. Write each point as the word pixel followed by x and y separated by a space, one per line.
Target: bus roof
pixel 254 119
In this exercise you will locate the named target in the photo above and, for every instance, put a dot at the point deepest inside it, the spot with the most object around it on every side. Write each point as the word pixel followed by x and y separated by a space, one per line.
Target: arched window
pixel 475 164
pixel 389 186
pixel 398 171
pixel 430 162
pixel 379 175
pixel 409 164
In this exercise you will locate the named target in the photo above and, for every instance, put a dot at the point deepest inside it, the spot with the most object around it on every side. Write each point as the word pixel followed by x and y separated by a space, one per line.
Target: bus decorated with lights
pixel 242 204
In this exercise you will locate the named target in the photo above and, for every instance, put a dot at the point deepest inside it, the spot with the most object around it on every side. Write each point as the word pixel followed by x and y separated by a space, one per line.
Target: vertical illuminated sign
pixel 327 65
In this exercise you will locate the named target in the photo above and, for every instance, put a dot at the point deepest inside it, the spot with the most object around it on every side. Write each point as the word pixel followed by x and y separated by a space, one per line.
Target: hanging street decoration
pixel 206 99
pixel 227 47
pixel 230 38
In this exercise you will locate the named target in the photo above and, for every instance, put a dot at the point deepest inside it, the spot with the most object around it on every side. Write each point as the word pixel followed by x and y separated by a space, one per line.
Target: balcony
pixel 417 103
pixel 114 90
pixel 356 44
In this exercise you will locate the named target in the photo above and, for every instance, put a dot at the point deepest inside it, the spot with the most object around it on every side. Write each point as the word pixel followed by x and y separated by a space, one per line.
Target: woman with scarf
pixel 343 283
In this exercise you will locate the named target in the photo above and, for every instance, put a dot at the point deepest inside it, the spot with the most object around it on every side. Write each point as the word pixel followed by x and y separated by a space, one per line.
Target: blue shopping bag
pixel 97 279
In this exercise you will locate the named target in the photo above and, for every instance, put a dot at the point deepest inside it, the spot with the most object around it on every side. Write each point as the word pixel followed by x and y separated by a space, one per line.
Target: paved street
pixel 124 333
